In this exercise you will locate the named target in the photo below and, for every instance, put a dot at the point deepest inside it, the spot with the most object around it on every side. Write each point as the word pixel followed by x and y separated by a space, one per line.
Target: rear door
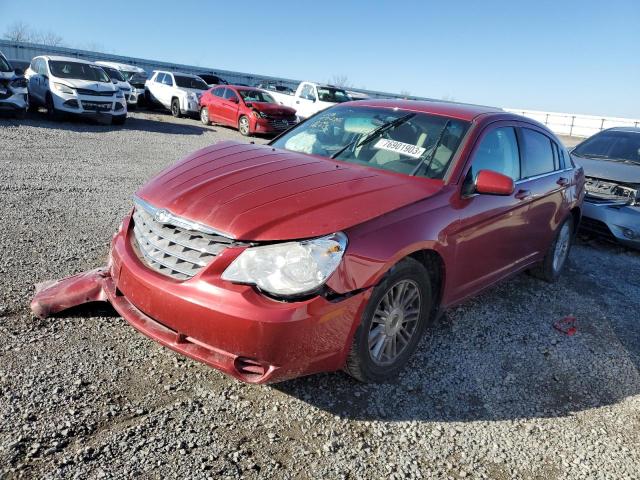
pixel 545 183
pixel 167 90
pixel 492 236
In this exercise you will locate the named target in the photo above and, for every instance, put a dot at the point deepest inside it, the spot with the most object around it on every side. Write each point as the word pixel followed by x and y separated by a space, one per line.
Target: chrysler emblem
pixel 162 216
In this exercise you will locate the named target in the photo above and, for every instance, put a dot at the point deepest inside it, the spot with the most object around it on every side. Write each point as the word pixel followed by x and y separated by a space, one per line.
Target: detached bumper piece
pixel 98 286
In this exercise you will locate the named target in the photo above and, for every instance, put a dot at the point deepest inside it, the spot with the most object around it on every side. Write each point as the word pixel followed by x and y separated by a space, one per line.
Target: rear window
pixel 538 158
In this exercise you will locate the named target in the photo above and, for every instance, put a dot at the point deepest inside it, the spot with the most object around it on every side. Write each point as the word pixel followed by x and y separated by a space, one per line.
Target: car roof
pixel 177 73
pixel 460 111
pixel 57 58
pixel 623 129
pixel 121 66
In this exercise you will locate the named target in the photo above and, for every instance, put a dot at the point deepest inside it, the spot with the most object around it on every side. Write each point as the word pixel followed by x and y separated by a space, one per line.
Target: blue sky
pixel 564 55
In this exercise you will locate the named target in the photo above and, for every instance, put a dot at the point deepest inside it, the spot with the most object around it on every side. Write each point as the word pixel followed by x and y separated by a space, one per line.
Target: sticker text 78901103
pixel 399 147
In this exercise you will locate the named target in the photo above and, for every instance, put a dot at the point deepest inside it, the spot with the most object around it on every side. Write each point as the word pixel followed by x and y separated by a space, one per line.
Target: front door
pixel 229 108
pixel 491 239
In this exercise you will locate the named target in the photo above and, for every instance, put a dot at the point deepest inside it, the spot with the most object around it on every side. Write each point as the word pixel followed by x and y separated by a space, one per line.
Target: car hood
pixel 273 109
pixel 197 91
pixel 609 170
pixel 258 193
pixel 88 84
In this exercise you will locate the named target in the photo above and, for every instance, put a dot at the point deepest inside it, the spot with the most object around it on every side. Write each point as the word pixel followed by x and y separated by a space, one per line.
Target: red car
pixel 334 246
pixel 250 110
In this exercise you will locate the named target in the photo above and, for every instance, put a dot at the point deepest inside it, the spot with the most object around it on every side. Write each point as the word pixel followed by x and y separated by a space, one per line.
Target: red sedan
pixel 250 110
pixel 337 244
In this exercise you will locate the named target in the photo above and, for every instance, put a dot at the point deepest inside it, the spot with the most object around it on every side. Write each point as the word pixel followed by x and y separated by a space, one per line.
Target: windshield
pixel 129 75
pixel 611 145
pixel 388 139
pixel 114 74
pixel 4 65
pixel 190 82
pixel 256 96
pixel 333 95
pixel 79 71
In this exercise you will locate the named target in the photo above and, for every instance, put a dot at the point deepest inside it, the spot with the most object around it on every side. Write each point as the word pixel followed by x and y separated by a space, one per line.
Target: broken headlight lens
pixel 291 268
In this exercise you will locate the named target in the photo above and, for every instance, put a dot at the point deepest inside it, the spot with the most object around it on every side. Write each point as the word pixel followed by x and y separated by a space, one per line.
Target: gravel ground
pixel 493 392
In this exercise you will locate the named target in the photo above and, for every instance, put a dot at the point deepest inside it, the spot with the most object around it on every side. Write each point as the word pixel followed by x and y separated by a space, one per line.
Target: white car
pixel 13 89
pixel 178 92
pixel 134 78
pixel 71 86
pixel 311 98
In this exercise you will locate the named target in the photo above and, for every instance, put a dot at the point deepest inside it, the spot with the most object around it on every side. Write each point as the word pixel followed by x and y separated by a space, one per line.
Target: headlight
pixel 258 114
pixel 192 96
pixel 62 88
pixel 290 268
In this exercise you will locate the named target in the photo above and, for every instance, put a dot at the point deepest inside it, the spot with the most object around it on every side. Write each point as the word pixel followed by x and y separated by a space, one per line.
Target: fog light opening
pixel 628 233
pixel 249 368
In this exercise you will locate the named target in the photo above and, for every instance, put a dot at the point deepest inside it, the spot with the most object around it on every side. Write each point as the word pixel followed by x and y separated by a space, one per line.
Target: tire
pixel 148 101
pixel 33 106
pixel 244 126
pixel 204 116
pixel 384 320
pixel 118 119
pixel 175 108
pixel 52 113
pixel 557 254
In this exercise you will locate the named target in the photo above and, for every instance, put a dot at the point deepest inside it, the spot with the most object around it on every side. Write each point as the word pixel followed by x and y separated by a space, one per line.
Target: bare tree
pixel 18 32
pixel 340 81
pixel 405 93
pixel 50 38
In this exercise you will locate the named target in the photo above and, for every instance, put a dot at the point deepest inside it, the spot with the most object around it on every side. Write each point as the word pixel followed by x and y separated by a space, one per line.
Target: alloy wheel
pixel 204 115
pixel 394 322
pixel 244 126
pixel 562 247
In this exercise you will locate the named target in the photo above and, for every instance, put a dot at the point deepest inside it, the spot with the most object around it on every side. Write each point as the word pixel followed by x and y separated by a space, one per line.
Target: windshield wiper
pixel 433 152
pixel 376 132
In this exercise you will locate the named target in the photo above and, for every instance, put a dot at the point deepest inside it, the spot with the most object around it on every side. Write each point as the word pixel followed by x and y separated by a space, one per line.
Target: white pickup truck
pixel 310 98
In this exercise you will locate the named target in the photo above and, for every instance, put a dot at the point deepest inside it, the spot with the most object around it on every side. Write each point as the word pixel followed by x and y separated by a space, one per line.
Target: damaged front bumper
pixel 232 328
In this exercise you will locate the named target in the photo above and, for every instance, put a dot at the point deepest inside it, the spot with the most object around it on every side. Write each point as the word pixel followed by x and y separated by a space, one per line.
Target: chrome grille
pixel 174 251
pixel 94 93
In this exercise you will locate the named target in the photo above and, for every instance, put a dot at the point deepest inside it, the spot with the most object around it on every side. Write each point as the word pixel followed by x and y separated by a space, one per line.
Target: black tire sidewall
pixel 549 272
pixel 406 270
pixel 173 103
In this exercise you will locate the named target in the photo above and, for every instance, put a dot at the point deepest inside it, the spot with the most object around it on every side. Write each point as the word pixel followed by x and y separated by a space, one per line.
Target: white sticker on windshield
pixel 399 147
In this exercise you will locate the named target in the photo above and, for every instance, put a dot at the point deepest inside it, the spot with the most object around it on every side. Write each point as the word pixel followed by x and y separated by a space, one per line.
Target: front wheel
pixel 557 254
pixel 52 112
pixel 175 107
pixel 392 324
pixel 204 116
pixel 118 120
pixel 243 126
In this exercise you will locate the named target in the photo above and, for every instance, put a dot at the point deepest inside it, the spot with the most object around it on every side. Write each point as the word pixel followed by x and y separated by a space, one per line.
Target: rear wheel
pixel 392 324
pixel 557 254
pixel 243 126
pixel 204 116
pixel 175 107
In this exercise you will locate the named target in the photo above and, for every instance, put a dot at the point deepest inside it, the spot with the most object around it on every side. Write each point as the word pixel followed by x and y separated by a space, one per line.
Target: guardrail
pixel 574 125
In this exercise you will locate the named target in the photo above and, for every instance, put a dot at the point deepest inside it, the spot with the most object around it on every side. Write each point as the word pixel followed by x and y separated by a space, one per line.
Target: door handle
pixel 563 181
pixel 298 102
pixel 523 194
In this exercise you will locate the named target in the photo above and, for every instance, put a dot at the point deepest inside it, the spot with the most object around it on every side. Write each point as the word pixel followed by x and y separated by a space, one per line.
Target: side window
pixel 497 151
pixel 538 154
pixel 33 65
pixel 218 92
pixel 168 80
pixel 230 94
pixel 159 77
pixel 307 92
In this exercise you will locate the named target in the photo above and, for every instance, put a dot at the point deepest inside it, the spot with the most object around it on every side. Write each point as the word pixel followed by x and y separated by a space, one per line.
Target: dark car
pixel 211 79
pixel 335 245
pixel 611 162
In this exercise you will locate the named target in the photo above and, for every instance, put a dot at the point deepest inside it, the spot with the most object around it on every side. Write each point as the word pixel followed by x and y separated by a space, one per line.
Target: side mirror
pixel 18 71
pixel 493 183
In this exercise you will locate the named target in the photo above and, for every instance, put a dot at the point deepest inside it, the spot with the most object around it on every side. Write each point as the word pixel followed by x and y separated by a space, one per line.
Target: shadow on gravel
pixel 81 124
pixel 498 357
